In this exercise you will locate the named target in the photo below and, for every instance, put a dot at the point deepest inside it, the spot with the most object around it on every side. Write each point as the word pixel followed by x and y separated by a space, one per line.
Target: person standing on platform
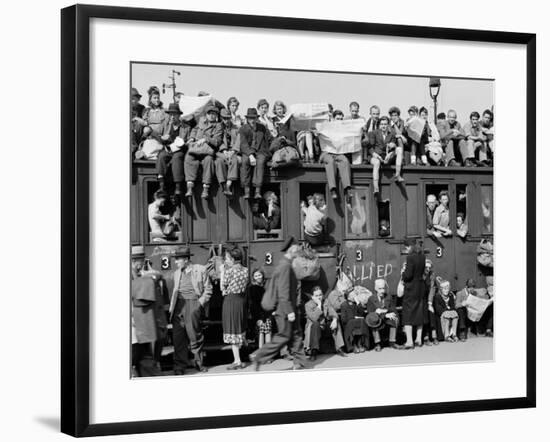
pixel 192 290
pixel 413 298
pixel 289 330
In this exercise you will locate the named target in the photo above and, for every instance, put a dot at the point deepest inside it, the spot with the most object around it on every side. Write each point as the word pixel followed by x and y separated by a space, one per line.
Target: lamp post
pixel 172 85
pixel 434 85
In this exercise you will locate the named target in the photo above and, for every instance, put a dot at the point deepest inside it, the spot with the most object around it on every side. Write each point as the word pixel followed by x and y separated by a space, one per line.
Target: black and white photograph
pixel 288 220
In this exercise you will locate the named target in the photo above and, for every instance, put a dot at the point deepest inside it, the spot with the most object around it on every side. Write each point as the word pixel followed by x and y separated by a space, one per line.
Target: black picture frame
pixel 75 212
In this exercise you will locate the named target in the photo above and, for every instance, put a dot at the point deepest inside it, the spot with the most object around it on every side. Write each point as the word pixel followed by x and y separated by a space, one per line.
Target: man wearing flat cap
pixel 192 290
pixel 289 331
pixel 148 314
pixel 228 158
pixel 204 141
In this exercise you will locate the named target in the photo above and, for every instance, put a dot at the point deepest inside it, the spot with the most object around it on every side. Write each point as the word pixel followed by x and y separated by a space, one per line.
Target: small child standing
pixel 258 315
pixel 444 305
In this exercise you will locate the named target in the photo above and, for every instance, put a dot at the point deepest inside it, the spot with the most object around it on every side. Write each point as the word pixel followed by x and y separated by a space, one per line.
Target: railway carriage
pixel 353 226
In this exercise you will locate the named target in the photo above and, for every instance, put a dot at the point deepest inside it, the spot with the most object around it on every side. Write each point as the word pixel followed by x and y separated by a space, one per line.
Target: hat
pixel 413 108
pixel 225 113
pixel 286 245
pixel 138 252
pixel 373 320
pixel 212 108
pixel 135 93
pixel 174 108
pixel 251 113
pixel 184 252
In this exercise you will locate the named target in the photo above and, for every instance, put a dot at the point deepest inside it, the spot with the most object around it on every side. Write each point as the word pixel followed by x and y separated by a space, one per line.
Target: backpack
pixel 269 298
pixel 285 156
pixel 307 266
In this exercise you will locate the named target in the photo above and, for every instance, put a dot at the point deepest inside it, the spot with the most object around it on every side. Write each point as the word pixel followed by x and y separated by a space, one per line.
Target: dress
pixel 413 297
pixel 234 305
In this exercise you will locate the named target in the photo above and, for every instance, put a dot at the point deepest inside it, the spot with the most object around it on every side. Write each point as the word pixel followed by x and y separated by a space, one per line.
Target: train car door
pixel 440 247
pixel 465 233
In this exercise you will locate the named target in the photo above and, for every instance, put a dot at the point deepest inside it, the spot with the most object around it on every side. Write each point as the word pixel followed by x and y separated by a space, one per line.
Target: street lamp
pixel 435 85
pixel 172 85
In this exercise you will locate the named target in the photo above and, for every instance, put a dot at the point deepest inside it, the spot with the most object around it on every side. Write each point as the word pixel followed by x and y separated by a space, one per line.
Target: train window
pixel 384 221
pixel 357 213
pixel 163 215
pixel 438 221
pixel 487 208
pixel 313 213
pixel 266 214
pixel 461 210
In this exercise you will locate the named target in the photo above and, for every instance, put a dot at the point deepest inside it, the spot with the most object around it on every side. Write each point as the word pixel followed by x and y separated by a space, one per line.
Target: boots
pixel 258 194
pixel 247 193
pixel 227 189
pixel 190 186
pixel 204 194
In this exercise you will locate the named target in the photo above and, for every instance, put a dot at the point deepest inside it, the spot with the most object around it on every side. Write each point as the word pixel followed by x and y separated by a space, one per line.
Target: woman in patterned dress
pixel 234 280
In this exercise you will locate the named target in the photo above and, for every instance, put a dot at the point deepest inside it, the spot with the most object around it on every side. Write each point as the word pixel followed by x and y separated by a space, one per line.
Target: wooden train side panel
pixel 235 217
pixel 414 207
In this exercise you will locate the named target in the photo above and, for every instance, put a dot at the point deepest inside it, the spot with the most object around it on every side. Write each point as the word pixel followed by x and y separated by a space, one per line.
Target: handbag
pixel 400 288
pixel 200 149
pixel 150 149
pixel 284 157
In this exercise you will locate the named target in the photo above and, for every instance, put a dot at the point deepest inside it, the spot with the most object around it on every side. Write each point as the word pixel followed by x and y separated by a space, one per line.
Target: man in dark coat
pixel 413 298
pixel 286 313
pixel 255 142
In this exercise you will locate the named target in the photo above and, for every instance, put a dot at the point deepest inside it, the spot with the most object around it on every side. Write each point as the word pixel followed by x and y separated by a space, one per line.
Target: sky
pixel 249 85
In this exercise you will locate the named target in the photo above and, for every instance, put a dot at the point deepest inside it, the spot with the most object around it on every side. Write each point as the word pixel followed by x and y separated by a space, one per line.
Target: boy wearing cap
pixel 255 141
pixel 381 313
pixel 228 158
pixel 173 154
pixel 192 290
pixel 204 141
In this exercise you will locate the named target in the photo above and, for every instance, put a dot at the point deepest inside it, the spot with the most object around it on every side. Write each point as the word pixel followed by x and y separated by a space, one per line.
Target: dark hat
pixel 251 113
pixel 138 252
pixel 224 113
pixel 174 108
pixel 413 108
pixel 212 108
pixel 184 252
pixel 289 241
pixel 373 320
pixel 135 93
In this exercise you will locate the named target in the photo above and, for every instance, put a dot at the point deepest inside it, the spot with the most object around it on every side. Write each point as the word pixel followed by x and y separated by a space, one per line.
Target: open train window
pixel 313 206
pixel 163 215
pixel 487 209
pixel 384 221
pixel 266 214
pixel 461 210
pixel 438 218
pixel 357 213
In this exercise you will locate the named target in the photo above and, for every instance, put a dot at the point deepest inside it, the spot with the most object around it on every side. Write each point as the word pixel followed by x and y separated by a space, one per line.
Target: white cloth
pixel 313 221
pixel 153 211
pixel 340 136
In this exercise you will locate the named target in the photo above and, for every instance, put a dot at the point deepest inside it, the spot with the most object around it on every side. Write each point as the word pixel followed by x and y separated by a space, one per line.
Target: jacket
pixel 333 303
pixel 286 284
pixel 379 144
pixel 255 141
pixel 199 279
pixel 230 138
pixel 211 132
pixel 313 312
pixel 387 303
pixel 440 305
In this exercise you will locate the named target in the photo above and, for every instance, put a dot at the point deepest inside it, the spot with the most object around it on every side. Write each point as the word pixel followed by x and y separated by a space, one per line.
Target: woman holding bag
pixel 233 283
pixel 413 296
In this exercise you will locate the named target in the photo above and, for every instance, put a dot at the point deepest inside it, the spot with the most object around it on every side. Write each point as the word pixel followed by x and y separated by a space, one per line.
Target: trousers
pixel 227 169
pixel 191 168
pixel 458 150
pixel 168 161
pixel 187 332
pixel 253 174
pixel 336 163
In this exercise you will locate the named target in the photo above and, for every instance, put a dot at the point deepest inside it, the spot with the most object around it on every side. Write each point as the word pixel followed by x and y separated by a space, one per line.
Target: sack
pixel 400 289
pixel 344 284
pixel 214 263
pixel 269 299
pixel 361 294
pixel 485 253
pixel 307 266
pixel 476 307
pixel 200 150
pixel 284 157
pixel 150 149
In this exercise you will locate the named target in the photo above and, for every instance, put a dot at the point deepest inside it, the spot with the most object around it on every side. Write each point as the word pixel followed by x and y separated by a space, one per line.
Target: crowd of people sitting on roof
pixel 281 319
pixel 219 143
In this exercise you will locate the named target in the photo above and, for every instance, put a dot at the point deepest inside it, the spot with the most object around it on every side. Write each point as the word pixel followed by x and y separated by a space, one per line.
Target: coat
pixel 413 297
pixel 201 284
pixel 255 141
pixel 286 284
pixel 148 314
pixel 379 144
pixel 211 132
pixel 440 305
pixel 333 303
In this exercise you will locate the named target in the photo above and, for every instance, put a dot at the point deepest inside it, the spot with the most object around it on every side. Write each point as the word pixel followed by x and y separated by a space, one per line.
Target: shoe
pixel 254 361
pixel 427 343
pixel 341 353
pixel 424 160
pixel 398 179
pixel 435 342
pixel 200 368
pixel 408 347
pixel 313 355
pixel 179 372
pixel 413 160
pixel 377 347
pixel 396 346
pixel 334 194
pixel 236 366
pixel 453 163
pixel 227 190
pixel 449 339
pixel 462 338
pixel 189 192
pixel 468 163
pixel 418 344
pixel 257 194
pixel 298 367
pixel 204 194
pixel 356 350
pixel 247 193
pixel 489 333
pixel 362 349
